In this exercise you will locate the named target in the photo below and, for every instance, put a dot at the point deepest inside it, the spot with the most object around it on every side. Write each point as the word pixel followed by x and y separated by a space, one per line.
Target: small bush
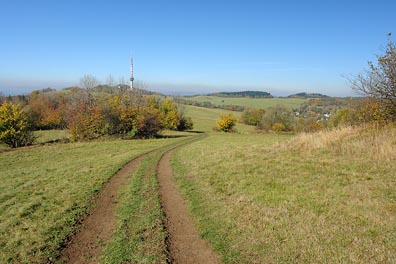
pixel 226 123
pixel 309 125
pixel 374 111
pixel 185 123
pixel 278 127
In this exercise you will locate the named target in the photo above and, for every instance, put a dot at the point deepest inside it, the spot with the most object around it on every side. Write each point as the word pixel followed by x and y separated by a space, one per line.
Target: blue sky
pixel 190 47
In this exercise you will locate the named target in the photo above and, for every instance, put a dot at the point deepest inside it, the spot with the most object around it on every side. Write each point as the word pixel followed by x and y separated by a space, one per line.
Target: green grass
pixel 257 201
pixel 205 118
pixel 3 147
pixel 139 237
pixel 44 136
pixel 262 103
pixel 44 190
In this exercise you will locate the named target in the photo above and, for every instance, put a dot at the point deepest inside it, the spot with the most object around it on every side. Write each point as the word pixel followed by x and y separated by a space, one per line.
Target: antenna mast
pixel 131 77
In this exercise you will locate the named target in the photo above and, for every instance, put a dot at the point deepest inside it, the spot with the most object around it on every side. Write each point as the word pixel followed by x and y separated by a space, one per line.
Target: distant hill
pixel 252 94
pixel 308 95
pixel 104 88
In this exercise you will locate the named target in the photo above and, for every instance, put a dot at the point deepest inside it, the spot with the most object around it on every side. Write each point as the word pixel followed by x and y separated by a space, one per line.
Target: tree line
pixel 89 113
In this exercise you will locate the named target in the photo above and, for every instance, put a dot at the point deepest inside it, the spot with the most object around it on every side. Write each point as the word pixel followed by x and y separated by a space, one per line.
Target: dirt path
pixel 86 245
pixel 184 242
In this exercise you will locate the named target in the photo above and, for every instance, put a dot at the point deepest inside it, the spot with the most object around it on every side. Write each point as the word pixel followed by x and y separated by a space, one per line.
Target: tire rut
pixel 184 243
pixel 86 245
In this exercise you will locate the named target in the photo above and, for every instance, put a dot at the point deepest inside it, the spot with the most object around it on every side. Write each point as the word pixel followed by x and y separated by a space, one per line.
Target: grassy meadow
pixel 44 190
pixel 262 103
pixel 327 197
pixel 277 199
pixel 44 136
pixel 205 118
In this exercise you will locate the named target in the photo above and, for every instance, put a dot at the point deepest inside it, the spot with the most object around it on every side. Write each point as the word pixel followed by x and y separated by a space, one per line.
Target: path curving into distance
pixel 184 243
pixel 97 228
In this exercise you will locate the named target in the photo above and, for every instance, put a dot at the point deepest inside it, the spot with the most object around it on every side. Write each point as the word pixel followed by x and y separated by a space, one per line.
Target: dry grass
pixel 258 200
pixel 377 144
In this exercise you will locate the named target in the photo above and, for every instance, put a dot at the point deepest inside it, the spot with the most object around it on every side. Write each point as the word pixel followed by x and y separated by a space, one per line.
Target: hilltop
pixel 308 95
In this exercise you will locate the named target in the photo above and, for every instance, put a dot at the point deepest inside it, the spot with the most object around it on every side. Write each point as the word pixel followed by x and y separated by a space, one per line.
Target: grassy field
pixel 44 190
pixel 262 103
pixel 266 198
pixel 205 118
pixel 44 136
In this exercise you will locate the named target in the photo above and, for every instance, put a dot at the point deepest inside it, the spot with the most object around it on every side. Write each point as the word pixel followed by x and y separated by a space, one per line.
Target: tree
pixel 226 123
pixel 14 128
pixel 252 116
pixel 110 81
pixel 275 116
pixel 169 114
pixel 88 82
pixel 379 82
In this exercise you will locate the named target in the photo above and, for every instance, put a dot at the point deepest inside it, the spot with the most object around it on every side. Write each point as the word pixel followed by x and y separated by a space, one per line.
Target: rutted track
pixel 87 243
pixel 183 242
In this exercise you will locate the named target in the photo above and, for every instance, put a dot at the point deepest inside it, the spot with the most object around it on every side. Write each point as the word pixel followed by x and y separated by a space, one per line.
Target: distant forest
pixel 252 94
pixel 308 95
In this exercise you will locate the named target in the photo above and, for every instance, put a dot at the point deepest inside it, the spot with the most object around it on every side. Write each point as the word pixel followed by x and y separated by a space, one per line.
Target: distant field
pixel 43 190
pixel 321 198
pixel 263 103
pixel 205 118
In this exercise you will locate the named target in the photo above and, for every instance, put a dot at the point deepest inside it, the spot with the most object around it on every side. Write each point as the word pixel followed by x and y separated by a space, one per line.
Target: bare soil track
pixel 184 243
pixel 86 245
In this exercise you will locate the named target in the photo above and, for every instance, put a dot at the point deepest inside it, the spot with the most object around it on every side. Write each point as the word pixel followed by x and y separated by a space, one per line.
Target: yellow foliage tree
pixel 14 129
pixel 226 123
pixel 169 114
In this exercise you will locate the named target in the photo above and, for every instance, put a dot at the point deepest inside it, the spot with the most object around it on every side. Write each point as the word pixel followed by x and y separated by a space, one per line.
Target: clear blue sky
pixel 193 46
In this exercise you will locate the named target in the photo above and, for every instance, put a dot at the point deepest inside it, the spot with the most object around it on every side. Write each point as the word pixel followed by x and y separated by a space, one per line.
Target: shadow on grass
pixel 170 136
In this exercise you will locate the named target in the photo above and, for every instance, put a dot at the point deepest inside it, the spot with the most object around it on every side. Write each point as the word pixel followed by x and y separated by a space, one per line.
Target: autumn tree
pixel 14 127
pixel 47 110
pixel 379 81
pixel 169 114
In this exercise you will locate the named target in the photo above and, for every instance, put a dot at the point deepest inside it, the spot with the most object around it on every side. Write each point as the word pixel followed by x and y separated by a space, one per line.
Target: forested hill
pixel 253 94
pixel 308 95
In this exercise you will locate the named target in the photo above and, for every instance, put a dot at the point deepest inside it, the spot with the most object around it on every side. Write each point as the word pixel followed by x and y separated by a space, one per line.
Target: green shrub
pixel 185 123
pixel 277 115
pixel 252 116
